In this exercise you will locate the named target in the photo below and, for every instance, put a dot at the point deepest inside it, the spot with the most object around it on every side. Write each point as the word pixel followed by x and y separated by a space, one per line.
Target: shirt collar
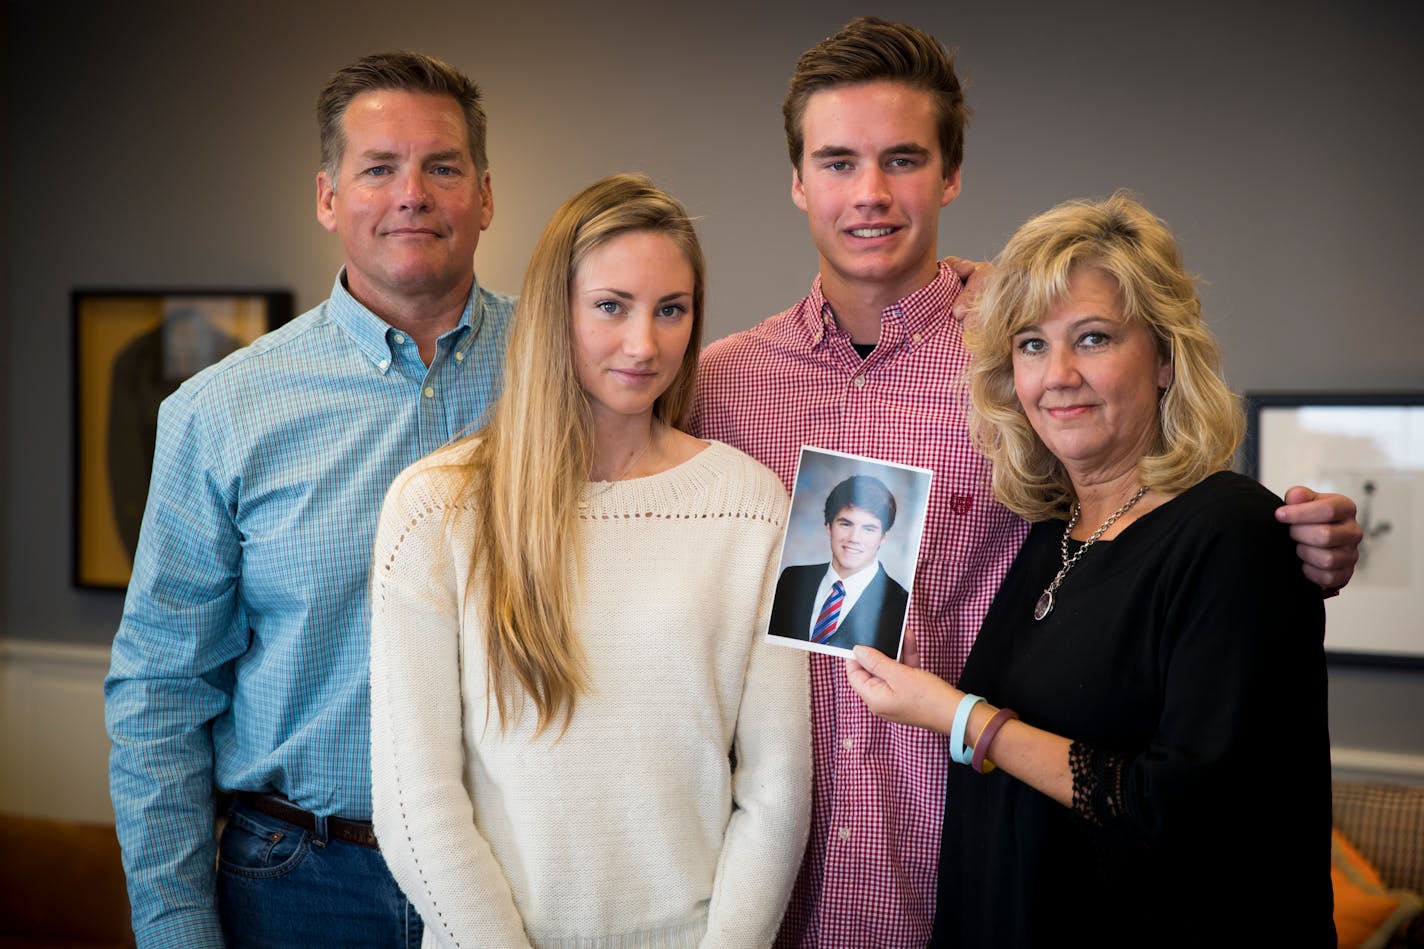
pixel 372 335
pixel 912 318
pixel 856 583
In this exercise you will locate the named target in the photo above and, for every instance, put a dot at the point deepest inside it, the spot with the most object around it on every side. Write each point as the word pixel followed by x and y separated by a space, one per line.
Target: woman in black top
pixel 1164 777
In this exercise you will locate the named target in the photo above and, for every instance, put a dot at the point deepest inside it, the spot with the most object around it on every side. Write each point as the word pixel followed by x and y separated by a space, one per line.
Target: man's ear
pixel 486 202
pixel 798 191
pixel 951 188
pixel 325 202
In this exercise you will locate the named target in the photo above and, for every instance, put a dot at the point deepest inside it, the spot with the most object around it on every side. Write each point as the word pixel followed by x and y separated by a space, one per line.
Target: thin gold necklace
pixel 618 475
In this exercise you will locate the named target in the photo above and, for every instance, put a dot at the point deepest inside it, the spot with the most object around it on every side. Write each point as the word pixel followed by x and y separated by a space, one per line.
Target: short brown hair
pixel 869 49
pixel 865 492
pixel 407 72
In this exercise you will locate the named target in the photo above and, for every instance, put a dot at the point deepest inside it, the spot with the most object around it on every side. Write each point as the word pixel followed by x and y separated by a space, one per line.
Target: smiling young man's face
pixel 872 184
pixel 856 536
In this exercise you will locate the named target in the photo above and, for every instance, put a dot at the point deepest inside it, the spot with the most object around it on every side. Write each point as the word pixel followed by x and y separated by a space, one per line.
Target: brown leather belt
pixel 357 832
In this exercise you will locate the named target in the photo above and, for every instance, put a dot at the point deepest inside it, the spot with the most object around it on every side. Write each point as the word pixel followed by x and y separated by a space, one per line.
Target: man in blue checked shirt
pixel 241 662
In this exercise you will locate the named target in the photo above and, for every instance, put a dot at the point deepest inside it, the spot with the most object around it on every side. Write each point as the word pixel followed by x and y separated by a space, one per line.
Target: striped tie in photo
pixel 830 614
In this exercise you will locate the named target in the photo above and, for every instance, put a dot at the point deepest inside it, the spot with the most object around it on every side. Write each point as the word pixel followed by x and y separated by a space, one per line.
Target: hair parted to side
pixel 865 492
pixel 869 49
pixel 1200 420
pixel 525 469
pixel 404 71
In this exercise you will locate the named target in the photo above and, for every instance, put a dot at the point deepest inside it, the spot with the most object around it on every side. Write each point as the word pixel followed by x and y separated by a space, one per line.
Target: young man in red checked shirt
pixel 871 362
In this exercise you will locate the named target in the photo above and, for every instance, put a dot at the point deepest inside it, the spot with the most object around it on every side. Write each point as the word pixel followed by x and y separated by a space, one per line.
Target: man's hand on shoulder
pixel 974 274
pixel 1326 534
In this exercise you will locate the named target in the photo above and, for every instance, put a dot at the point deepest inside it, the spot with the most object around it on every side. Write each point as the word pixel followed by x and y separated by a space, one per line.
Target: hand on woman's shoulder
pixel 1236 503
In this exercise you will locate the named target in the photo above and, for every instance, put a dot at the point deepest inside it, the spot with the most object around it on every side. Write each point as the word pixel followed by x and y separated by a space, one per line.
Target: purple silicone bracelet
pixel 986 738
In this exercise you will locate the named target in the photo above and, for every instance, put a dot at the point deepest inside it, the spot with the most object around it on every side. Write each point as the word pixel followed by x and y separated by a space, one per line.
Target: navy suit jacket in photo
pixel 875 620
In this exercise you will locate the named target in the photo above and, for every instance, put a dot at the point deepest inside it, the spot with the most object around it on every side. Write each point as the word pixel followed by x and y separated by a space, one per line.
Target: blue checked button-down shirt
pixel 242 658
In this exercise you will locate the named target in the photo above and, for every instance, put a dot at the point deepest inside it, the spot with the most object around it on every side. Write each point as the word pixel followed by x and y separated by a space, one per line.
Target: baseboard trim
pixel 54 751
pixel 1379 765
pixel 34 651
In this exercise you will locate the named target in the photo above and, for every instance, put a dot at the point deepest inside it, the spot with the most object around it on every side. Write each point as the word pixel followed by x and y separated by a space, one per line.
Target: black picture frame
pixel 1369 446
pixel 131 348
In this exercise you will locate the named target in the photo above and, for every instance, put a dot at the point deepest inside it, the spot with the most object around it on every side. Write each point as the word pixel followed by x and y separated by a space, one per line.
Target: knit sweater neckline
pixel 637 497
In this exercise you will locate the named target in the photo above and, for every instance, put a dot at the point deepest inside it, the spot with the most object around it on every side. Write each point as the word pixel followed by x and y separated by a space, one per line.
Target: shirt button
pixel 848 743
pixel 916 338
pixel 429 392
pixel 459 357
pixel 384 364
pixel 859 381
pixel 843 833
pixel 399 337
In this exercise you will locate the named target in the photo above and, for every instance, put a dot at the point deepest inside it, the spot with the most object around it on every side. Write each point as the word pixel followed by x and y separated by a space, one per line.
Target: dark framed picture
pixel 1370 447
pixel 132 348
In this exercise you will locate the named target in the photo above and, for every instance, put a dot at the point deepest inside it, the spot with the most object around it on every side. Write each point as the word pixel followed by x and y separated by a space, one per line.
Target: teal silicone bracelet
pixel 957 751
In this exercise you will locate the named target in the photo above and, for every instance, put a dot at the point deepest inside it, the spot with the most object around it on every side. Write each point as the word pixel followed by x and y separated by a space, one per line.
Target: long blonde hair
pixel 1200 420
pixel 525 469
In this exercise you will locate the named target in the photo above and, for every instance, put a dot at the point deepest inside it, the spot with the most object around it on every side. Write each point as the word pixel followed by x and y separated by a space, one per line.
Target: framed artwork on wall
pixel 1371 448
pixel 132 348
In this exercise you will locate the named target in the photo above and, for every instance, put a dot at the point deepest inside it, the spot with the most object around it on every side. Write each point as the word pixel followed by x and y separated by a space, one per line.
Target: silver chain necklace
pixel 1044 606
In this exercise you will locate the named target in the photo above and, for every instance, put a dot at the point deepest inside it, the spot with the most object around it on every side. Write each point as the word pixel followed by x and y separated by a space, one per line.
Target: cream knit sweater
pixel 632 828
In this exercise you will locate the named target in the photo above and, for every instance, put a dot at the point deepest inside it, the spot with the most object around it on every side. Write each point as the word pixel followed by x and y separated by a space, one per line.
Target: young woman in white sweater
pixel 579 738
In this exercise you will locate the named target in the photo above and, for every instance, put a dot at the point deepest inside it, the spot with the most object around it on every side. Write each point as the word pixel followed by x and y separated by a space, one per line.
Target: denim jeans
pixel 281 886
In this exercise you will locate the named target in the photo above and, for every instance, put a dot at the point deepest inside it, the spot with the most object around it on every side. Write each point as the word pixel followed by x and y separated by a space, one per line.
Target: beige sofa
pixel 1385 823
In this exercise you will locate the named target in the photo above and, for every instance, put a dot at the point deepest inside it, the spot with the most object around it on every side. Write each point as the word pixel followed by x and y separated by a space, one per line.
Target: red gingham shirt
pixel 868 878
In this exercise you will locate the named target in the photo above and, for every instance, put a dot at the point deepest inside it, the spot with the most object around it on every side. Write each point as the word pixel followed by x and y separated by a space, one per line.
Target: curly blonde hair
pixel 1200 420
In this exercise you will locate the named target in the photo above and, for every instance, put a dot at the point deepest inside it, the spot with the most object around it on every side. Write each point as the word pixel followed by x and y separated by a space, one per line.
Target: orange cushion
pixel 1366 914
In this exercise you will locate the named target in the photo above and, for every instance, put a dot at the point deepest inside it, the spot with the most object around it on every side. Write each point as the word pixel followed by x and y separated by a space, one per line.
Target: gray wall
pixel 167 144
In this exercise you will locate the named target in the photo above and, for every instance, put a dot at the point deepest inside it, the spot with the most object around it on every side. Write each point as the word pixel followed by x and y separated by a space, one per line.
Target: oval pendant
pixel 1044 606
